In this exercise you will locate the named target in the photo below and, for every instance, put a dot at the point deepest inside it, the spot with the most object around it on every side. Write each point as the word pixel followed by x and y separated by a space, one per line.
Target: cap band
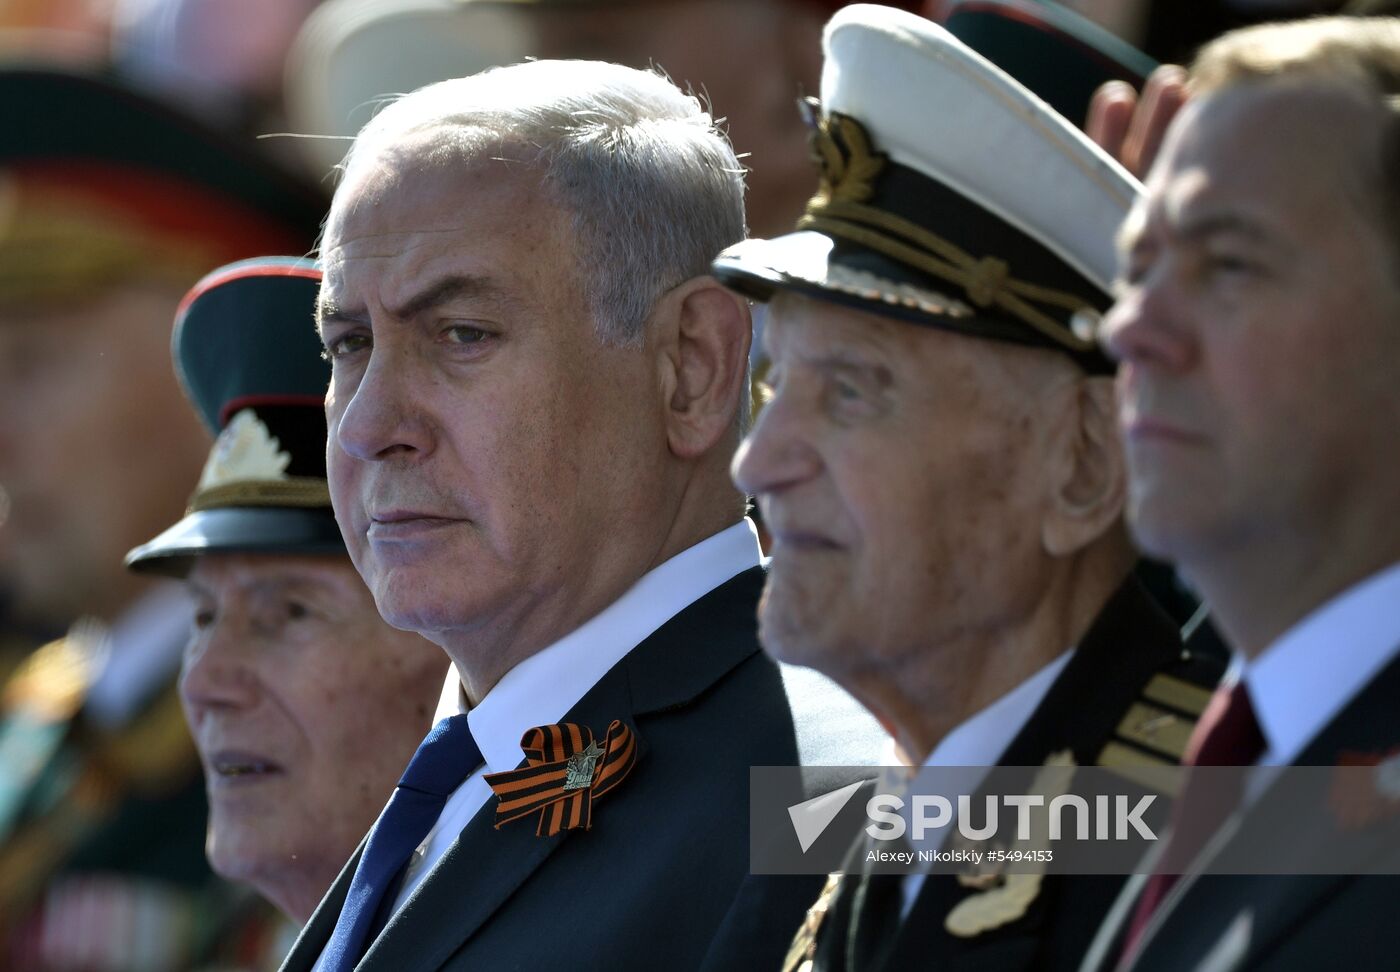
pixel 840 209
pixel 298 491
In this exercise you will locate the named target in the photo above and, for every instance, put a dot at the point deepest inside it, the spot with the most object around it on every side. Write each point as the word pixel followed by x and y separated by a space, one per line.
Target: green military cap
pixel 949 196
pixel 247 354
pixel 100 184
pixel 1056 53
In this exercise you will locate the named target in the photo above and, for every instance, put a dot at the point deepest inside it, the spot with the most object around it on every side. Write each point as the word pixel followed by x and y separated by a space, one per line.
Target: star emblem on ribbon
pixel 565 770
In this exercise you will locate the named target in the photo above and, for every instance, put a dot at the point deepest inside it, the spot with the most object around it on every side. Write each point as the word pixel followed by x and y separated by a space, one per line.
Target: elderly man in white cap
pixel 940 472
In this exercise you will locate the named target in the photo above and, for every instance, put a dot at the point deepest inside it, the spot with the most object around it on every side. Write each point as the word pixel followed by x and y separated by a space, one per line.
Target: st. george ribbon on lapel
pixel 565 771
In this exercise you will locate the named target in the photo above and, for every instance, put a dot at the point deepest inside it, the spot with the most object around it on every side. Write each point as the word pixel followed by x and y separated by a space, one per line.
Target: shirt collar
pixel 980 740
pixel 542 688
pixel 1309 674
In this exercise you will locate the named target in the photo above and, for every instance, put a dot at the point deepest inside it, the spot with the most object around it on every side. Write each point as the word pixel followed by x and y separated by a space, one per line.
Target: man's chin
pixel 1160 525
pixel 234 852
pixel 792 637
pixel 420 610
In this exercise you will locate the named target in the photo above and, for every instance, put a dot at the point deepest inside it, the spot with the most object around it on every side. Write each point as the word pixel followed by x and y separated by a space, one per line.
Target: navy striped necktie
pixel 443 761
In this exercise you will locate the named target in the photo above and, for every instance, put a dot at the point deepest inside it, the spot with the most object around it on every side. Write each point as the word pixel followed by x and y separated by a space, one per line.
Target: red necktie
pixel 1227 735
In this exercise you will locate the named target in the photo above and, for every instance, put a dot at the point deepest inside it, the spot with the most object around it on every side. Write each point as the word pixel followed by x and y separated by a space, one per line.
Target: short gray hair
pixel 653 187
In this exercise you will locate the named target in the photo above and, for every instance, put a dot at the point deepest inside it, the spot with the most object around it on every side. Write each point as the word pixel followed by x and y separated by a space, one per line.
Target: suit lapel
pixel 317 932
pixel 675 664
pixel 1085 712
pixel 1368 724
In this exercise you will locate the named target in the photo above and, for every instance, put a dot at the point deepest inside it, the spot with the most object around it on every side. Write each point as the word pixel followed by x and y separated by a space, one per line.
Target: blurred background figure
pixel 110 207
pixel 74 32
pixel 750 58
pixel 223 59
pixel 304 704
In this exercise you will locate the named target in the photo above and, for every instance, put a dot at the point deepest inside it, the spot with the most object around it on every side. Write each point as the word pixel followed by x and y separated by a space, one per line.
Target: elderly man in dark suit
pixel 536 391
pixel 1260 387
pixel 939 469
pixel 284 629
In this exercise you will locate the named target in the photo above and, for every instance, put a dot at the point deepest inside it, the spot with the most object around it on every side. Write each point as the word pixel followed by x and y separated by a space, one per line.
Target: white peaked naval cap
pixel 949 196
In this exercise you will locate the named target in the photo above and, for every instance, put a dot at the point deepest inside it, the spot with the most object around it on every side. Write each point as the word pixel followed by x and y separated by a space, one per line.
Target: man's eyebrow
pixel 287 585
pixel 1196 229
pixel 441 291
pixel 329 312
pixel 1224 222
pixel 447 289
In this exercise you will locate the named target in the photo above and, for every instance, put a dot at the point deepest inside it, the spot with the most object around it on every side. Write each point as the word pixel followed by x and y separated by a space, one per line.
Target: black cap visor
pixel 840 272
pixel 237 529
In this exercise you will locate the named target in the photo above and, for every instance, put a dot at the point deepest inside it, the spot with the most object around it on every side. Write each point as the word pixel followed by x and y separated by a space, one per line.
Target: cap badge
pixel 841 210
pixel 246 451
pixel 849 166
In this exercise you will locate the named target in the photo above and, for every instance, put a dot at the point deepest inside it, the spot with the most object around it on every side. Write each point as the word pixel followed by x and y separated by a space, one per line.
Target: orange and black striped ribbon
pixel 562 794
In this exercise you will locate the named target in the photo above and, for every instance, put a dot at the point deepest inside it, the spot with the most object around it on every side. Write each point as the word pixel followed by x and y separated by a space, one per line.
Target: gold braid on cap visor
pixel 849 169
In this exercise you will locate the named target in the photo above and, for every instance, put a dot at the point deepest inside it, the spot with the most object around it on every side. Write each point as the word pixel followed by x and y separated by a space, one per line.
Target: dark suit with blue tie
pixel 647 886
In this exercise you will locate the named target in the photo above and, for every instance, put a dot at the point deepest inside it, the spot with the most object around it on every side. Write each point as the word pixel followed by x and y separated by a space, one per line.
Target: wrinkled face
pixel 1258 325
pixel 483 442
pixel 896 467
pixel 87 397
pixel 305 707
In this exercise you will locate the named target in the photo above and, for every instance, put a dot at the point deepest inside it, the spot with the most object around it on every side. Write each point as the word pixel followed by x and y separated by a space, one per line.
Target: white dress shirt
pixel 544 687
pixel 1304 679
pixel 980 741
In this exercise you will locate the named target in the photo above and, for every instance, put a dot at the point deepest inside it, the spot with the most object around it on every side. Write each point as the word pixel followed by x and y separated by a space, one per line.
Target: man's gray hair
pixel 653 186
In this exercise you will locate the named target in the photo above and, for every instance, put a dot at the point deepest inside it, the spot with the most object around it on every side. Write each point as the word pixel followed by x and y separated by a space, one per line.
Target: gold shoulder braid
pixel 1151 738
pixel 999 897
pixel 51 683
pixel 803 950
pixel 849 168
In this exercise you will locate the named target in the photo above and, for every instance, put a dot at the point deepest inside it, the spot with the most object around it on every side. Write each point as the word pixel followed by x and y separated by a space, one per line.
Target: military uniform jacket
pixel 1283 922
pixel 1129 669
pixel 649 883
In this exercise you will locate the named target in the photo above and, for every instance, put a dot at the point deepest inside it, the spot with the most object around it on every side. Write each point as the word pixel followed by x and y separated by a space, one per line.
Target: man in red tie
pixel 1259 387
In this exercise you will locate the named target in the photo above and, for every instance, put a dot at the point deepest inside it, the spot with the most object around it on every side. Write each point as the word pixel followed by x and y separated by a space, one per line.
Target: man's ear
pixel 1088 477
pixel 705 332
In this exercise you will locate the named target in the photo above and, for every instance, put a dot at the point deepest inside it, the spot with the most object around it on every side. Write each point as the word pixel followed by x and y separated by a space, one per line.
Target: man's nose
pixel 381 415
pixel 1149 325
pixel 217 673
pixel 776 453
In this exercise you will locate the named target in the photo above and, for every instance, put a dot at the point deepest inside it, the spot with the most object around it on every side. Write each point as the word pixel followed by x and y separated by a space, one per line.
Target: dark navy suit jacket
pixel 648 885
